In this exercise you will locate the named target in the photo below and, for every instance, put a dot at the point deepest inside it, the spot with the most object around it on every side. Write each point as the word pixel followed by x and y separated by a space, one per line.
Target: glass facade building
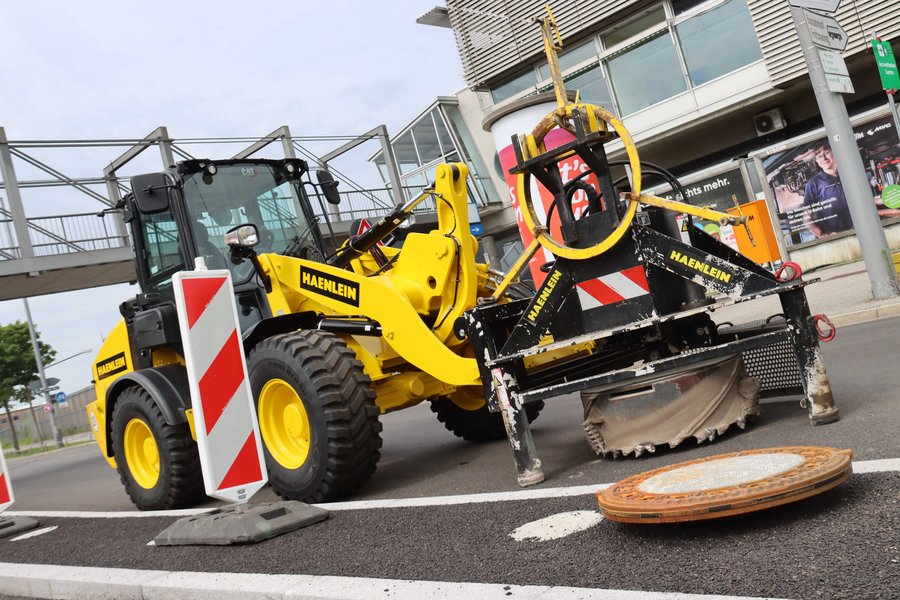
pixel 438 135
pixel 647 58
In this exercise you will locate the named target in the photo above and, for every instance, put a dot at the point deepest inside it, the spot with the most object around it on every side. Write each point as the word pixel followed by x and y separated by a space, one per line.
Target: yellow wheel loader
pixel 331 341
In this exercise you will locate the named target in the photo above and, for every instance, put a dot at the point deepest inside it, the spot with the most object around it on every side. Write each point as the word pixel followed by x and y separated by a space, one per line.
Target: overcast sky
pixel 119 69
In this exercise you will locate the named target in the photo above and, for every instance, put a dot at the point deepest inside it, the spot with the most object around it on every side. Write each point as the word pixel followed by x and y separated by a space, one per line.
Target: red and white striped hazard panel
pixel 6 492
pixel 225 422
pixel 612 288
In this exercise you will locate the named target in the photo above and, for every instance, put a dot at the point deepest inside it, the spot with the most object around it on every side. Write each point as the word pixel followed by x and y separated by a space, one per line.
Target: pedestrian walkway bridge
pixel 91 247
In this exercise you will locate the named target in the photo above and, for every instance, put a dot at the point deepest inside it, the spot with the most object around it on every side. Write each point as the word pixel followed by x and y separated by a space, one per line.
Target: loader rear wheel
pixel 317 415
pixel 465 413
pixel 157 462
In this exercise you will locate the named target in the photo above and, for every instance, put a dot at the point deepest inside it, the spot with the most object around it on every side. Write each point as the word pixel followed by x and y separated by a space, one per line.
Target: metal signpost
pixel 890 77
pixel 45 388
pixel 825 31
pixel 837 78
pixel 860 201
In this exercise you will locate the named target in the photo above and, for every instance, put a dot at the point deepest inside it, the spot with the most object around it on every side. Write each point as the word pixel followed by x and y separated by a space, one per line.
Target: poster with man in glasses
pixel 808 192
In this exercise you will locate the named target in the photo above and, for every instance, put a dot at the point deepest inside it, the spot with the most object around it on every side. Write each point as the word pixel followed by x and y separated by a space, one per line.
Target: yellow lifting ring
pixel 523 182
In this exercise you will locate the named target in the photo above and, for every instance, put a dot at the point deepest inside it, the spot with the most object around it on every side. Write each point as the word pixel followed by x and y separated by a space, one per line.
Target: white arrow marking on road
pixel 557 526
pixel 34 533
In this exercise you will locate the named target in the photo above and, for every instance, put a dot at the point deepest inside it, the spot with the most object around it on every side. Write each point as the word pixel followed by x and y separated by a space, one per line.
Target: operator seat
pixel 205 248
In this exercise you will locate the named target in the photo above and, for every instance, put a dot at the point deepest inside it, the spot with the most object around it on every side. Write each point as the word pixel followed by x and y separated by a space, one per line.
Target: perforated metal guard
pixel 725 485
pixel 775 365
pixel 776 368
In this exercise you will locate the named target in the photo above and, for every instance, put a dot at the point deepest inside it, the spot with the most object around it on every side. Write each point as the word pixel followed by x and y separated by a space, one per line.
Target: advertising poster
pixel 808 193
pixel 716 193
pixel 541 198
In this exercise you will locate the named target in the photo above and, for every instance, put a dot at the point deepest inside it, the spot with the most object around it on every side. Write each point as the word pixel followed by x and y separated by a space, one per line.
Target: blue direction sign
pixel 476 228
pixel 60 397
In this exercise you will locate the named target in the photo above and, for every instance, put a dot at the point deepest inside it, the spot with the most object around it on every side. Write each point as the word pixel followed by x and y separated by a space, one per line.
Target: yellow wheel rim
pixel 468 398
pixel 284 423
pixel 141 453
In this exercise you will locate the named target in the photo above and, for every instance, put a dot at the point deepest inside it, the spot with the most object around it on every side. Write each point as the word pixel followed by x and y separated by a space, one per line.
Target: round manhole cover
pixel 726 484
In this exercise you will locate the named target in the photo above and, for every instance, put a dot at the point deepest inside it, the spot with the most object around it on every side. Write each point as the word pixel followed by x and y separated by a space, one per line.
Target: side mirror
pixel 151 192
pixel 329 186
pixel 242 236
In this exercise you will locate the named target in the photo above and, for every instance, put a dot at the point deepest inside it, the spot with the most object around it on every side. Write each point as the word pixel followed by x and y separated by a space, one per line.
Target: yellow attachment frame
pixel 594 119
pixel 597 119
pixel 697 211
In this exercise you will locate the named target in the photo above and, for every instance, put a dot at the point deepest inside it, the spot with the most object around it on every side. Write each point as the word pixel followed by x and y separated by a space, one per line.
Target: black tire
pixel 479 424
pixel 180 481
pixel 344 433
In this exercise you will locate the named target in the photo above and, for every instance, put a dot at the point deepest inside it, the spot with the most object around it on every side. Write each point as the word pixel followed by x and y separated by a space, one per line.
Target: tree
pixel 17 364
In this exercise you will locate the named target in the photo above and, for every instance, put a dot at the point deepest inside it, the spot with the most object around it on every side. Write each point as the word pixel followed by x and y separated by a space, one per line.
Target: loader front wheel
pixel 465 413
pixel 157 462
pixel 317 415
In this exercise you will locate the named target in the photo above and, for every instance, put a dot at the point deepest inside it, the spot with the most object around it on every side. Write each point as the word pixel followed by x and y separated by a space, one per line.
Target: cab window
pixel 163 255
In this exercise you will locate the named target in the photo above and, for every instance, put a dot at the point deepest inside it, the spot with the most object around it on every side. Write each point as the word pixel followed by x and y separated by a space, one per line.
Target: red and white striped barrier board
pixel 612 288
pixel 6 493
pixel 231 453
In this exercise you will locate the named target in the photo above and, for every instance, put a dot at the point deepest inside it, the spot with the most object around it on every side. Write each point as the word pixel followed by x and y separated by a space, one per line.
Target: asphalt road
pixel 842 544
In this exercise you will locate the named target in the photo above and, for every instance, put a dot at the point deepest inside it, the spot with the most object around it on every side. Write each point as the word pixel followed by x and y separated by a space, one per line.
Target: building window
pixel 593 87
pixel 717 41
pixel 439 136
pixel 405 151
pixel 570 58
pixel 643 62
pixel 646 74
pixel 511 88
pixel 648 58
pixel 619 34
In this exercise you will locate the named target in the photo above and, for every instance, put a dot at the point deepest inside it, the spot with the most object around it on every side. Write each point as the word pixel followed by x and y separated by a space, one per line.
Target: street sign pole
pixel 57 434
pixel 852 173
pixel 893 104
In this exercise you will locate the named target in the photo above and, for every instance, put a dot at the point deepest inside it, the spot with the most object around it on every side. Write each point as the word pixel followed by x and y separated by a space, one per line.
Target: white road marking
pixel 34 533
pixel 89 582
pixel 884 465
pixel 876 466
pixel 132 514
pixel 557 526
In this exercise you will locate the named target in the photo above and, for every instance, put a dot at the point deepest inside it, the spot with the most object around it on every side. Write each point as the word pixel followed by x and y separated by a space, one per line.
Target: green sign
pixel 891 196
pixel 887 66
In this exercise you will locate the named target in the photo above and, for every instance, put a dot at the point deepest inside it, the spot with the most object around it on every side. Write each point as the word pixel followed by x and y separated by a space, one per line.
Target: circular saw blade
pixel 726 484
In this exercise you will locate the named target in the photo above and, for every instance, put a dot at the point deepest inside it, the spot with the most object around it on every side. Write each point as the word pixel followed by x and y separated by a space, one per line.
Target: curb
pixel 13 455
pixel 94 582
pixel 866 315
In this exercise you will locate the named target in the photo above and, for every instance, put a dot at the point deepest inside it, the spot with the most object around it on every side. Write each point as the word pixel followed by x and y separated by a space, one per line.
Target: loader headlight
pixel 408 222
pixel 242 236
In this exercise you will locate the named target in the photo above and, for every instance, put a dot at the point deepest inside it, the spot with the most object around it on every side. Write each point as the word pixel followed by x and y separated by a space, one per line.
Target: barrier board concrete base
pixel 12 525
pixel 241 524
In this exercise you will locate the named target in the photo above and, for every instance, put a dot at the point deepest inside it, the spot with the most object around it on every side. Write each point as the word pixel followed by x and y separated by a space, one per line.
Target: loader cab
pixel 184 213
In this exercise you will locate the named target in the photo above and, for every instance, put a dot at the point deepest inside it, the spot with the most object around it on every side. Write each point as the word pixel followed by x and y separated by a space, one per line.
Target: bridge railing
pixel 63 234
pixel 79 232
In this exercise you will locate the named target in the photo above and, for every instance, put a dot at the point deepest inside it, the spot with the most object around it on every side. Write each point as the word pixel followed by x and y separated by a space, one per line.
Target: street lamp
pixel 57 434
pixel 56 362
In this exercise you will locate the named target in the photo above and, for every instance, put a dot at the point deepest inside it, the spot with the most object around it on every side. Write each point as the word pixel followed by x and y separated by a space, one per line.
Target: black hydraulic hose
pixel 652 168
